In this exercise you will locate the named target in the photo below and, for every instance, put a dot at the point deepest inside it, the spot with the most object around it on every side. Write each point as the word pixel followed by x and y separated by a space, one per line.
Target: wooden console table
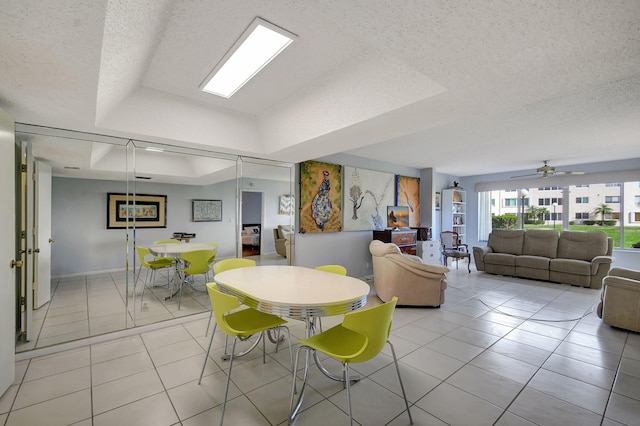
pixel 405 239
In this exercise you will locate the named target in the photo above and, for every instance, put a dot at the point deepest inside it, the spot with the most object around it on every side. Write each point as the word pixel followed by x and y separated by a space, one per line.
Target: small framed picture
pixel 207 210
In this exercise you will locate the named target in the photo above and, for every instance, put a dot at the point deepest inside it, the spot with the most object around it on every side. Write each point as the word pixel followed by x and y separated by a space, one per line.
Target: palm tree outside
pixel 602 210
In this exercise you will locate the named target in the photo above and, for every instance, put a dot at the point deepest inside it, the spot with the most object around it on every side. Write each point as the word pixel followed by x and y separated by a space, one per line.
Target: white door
pixel 7 252
pixel 42 235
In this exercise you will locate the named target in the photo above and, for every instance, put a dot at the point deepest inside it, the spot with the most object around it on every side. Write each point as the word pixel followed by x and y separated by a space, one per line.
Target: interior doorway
pixel 251 223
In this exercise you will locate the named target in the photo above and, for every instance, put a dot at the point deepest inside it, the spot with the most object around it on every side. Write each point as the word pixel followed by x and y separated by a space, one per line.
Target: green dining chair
pixel 225 265
pixel 239 324
pixel 151 266
pixel 194 263
pixel 359 338
pixel 334 269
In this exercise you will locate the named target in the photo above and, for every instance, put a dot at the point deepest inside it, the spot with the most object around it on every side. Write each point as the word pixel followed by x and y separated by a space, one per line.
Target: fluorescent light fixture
pixel 152 149
pixel 257 46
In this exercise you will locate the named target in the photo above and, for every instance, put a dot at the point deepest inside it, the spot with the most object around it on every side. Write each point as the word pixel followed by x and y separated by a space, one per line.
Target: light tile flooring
pixel 500 351
pixel 83 306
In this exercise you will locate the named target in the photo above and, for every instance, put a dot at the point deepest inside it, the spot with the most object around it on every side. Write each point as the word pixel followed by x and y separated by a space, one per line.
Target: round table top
pixel 174 249
pixel 294 290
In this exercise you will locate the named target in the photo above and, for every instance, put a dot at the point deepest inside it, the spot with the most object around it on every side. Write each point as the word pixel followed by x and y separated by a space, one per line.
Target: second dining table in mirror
pixel 296 292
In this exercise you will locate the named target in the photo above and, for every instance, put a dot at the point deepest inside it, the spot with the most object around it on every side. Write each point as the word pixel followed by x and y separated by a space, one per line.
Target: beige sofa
pixel 620 299
pixel 571 257
pixel 280 236
pixel 405 276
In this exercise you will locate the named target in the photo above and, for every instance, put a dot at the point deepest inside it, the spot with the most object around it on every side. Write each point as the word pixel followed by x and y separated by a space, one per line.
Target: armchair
pixel 280 236
pixel 405 276
pixel 620 299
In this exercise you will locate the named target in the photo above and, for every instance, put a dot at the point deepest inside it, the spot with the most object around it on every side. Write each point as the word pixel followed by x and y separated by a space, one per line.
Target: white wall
pixel 84 244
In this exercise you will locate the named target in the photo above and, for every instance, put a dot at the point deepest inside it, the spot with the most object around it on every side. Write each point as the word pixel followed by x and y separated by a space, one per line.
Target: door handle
pixel 36 250
pixel 15 263
pixel 52 240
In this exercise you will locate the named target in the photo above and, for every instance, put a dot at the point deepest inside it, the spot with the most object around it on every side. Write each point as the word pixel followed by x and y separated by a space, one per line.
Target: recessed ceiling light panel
pixel 257 46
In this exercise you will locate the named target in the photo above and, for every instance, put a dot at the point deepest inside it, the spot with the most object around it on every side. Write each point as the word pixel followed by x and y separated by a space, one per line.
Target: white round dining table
pixel 294 291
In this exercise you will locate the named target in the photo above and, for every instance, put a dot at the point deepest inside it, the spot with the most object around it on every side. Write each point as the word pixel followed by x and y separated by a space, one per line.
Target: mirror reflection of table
pixel 175 250
pixel 295 292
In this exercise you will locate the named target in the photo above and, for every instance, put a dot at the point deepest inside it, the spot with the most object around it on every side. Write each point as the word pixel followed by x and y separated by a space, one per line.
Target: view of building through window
pixel 613 208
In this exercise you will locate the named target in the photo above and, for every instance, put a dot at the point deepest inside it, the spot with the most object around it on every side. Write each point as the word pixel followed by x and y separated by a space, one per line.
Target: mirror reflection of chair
pixel 194 263
pixel 167 241
pixel 239 324
pixel 359 338
pixel 152 266
pixel 452 247
pixel 214 247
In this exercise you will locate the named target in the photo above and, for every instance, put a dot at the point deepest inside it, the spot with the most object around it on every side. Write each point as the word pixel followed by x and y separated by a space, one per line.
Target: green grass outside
pixel 631 233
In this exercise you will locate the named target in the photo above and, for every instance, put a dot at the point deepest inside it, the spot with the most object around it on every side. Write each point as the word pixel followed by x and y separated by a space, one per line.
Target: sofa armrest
pixel 625 273
pixel 620 283
pixel 600 260
pixel 478 256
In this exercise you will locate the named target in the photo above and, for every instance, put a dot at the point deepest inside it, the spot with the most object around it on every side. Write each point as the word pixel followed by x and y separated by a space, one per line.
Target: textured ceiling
pixel 465 87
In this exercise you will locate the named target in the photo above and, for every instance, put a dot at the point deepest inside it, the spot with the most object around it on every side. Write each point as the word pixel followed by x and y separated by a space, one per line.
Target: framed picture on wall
pixel 146 211
pixel 207 210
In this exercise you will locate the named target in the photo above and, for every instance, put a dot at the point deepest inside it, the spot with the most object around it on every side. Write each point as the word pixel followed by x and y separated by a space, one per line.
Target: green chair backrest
pixel 142 253
pixel 334 269
pixel 197 261
pixel 169 241
pixel 375 323
pixel 232 263
pixel 214 247
pixel 221 303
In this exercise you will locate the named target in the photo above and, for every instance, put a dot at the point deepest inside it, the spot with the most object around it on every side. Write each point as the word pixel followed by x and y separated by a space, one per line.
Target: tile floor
pixel 500 351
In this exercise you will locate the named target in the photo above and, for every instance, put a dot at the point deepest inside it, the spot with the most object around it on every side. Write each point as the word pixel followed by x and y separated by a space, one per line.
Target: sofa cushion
pixel 500 259
pixel 540 242
pixel 535 262
pixel 570 266
pixel 582 245
pixel 507 241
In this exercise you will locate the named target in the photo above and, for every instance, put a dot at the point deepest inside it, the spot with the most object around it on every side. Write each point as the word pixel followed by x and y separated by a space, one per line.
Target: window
pixel 597 207
pixel 549 188
pixel 549 201
pixel 493 201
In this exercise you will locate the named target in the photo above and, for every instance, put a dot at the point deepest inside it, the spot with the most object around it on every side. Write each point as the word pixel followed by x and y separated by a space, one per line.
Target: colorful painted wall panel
pixel 408 194
pixel 320 197
pixel 367 195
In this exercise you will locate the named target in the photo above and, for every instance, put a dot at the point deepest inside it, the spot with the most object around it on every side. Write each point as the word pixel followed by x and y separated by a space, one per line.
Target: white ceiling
pixel 465 87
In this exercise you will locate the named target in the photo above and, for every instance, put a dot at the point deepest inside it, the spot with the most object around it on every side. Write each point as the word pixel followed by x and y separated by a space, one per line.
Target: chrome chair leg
pixel 395 360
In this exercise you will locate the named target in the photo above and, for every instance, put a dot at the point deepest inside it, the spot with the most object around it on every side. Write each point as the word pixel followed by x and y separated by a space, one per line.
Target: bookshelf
pixel 454 211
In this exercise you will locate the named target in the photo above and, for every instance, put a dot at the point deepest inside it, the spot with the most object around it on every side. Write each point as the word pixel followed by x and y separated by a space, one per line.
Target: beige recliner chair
pixel 405 276
pixel 620 299
pixel 280 236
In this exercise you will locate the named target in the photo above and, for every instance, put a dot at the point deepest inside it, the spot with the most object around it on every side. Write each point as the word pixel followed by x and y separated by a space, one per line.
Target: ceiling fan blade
pixel 569 173
pixel 520 176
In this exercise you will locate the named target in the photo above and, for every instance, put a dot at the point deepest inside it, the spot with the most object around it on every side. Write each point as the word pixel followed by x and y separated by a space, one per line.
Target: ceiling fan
pixel 547 170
